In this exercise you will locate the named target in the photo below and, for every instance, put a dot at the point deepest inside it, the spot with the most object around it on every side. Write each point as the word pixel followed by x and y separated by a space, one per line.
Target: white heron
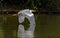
pixel 30 16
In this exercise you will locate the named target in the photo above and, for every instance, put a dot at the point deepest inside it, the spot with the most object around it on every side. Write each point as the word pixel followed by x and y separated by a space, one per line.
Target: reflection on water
pixel 47 26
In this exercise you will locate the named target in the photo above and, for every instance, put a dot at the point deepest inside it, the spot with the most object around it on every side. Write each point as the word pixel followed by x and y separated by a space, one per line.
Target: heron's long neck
pixel 32 23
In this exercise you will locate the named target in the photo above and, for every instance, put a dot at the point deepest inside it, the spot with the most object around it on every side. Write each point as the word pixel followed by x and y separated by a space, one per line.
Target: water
pixel 47 26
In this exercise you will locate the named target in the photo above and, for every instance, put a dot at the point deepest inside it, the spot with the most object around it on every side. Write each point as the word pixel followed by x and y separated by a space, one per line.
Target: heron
pixel 26 13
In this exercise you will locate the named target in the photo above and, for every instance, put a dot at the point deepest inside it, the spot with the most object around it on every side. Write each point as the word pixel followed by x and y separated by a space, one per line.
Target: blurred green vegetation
pixel 49 5
pixel 47 26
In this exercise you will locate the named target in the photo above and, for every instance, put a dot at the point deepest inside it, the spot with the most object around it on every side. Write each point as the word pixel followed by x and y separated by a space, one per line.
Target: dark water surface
pixel 47 26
